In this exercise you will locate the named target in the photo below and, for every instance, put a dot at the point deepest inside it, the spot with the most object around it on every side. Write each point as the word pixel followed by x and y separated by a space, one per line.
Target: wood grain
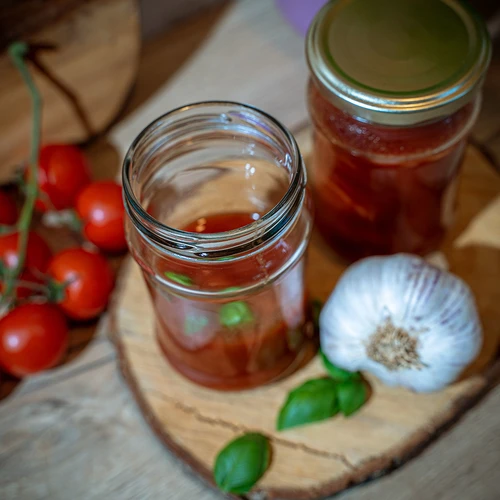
pixel 19 19
pixel 268 70
pixel 319 460
pixel 96 60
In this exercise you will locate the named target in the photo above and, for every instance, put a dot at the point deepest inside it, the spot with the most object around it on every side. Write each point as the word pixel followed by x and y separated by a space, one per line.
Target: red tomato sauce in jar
pixel 219 219
pixel 380 189
pixel 394 91
pixel 235 343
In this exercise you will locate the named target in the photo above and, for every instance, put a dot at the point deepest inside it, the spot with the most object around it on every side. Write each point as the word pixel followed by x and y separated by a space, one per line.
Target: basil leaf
pixel 194 323
pixel 316 306
pixel 336 373
pixel 235 313
pixel 241 463
pixel 351 395
pixel 182 279
pixel 313 401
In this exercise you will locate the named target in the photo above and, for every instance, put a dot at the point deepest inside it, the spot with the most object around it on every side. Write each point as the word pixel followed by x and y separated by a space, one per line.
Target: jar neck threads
pixel 186 131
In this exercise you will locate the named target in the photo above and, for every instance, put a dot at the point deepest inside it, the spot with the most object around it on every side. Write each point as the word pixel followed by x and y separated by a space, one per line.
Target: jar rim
pixel 352 90
pixel 216 245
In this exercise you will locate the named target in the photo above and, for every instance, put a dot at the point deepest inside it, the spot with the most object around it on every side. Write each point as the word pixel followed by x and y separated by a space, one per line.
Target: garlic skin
pixel 403 320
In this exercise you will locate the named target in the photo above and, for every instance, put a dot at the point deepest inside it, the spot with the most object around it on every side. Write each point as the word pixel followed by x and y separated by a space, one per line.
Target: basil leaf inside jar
pixel 182 279
pixel 313 401
pixel 194 323
pixel 241 463
pixel 235 314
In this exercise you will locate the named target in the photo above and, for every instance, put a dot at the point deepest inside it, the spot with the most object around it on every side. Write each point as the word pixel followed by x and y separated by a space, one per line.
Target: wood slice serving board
pixel 319 460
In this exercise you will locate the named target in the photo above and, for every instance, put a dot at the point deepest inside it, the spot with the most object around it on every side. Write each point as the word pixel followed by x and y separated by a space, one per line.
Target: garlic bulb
pixel 404 320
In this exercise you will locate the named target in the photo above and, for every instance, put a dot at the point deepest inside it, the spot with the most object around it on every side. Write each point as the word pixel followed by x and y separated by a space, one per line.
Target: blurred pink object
pixel 300 13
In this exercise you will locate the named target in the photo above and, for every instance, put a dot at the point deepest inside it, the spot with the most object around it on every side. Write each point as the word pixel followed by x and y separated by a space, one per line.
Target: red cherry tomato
pixel 33 337
pixel 89 282
pixel 8 210
pixel 100 207
pixel 37 260
pixel 62 173
pixel 38 254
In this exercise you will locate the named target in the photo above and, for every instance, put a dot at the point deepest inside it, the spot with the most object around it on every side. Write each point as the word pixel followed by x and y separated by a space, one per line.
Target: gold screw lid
pixel 398 62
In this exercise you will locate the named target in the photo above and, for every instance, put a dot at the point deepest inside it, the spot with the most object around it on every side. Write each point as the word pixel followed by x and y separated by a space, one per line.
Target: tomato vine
pixel 18 52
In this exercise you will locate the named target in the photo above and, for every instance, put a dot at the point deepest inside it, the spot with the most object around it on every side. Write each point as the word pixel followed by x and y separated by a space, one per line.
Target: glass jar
pixel 394 91
pixel 218 220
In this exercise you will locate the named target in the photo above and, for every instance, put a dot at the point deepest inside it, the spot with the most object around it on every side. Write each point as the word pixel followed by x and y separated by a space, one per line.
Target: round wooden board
pixel 319 460
pixel 96 59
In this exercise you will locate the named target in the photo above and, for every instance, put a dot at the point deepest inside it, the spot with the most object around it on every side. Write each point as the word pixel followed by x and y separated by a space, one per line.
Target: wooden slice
pixel 318 460
pixel 90 73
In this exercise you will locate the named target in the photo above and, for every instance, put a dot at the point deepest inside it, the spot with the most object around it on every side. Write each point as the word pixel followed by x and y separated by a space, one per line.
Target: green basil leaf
pixel 235 314
pixel 194 323
pixel 182 279
pixel 313 401
pixel 241 463
pixel 351 395
pixel 316 306
pixel 336 373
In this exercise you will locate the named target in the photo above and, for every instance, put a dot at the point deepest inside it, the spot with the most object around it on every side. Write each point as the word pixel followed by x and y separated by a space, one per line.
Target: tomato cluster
pixel 74 283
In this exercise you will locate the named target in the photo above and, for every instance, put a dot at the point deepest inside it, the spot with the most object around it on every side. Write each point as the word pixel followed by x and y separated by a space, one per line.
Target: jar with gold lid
pixel 393 94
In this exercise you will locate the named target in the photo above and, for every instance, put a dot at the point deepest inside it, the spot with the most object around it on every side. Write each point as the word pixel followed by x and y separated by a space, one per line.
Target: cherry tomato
pixel 8 210
pixel 89 282
pixel 38 254
pixel 62 173
pixel 33 337
pixel 37 260
pixel 100 207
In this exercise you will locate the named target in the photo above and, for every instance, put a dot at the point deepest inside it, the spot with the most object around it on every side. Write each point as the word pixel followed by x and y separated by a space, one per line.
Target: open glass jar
pixel 394 91
pixel 218 220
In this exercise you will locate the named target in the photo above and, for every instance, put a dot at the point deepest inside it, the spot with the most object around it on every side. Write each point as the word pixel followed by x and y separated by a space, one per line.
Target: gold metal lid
pixel 398 62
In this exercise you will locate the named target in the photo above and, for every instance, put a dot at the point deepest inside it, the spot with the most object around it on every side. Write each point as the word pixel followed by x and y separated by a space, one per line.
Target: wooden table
pixel 75 432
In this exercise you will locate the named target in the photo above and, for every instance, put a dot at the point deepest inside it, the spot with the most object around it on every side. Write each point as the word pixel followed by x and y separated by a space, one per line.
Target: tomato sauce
pixel 238 342
pixel 384 189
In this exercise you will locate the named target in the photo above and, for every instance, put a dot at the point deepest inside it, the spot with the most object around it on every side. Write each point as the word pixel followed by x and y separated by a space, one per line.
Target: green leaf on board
pixel 241 463
pixel 351 395
pixel 313 401
pixel 336 373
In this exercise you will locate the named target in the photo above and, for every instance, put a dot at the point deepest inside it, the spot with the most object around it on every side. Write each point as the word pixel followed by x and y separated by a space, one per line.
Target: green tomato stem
pixel 17 52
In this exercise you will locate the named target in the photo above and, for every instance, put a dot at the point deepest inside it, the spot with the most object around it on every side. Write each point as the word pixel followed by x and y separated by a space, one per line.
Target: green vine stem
pixel 17 52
